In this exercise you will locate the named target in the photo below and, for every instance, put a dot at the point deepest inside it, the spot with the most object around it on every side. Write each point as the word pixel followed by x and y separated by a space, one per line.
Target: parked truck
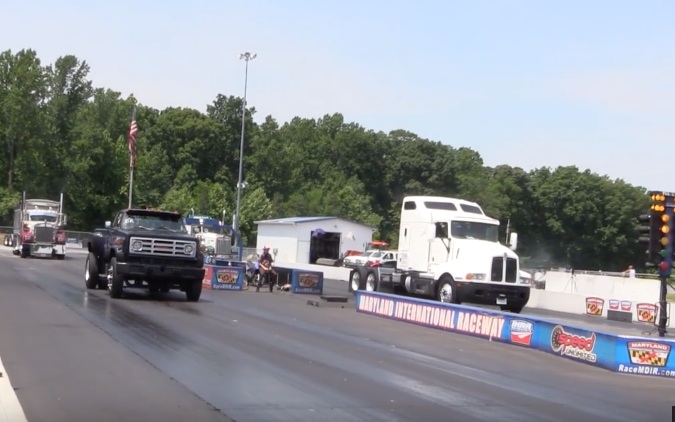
pixel 212 234
pixel 449 250
pixel 38 228
pixel 148 249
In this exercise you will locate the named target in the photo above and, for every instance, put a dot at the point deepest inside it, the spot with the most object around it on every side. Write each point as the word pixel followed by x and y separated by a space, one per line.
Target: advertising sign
pixel 645 357
pixel 307 282
pixel 438 315
pixel 621 354
pixel 223 278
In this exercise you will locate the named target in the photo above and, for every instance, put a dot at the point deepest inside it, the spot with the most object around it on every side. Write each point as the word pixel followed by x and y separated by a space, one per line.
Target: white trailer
pixel 38 228
pixel 449 250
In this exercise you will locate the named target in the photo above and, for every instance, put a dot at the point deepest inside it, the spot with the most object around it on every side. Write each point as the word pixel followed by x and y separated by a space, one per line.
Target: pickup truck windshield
pixel 473 230
pixel 153 222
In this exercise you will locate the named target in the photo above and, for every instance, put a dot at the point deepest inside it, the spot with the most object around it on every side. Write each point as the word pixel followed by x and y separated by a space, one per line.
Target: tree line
pixel 63 134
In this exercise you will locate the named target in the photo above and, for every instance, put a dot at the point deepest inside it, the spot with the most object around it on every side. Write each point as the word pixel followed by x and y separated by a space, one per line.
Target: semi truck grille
pixel 162 247
pixel 44 234
pixel 497 272
pixel 223 246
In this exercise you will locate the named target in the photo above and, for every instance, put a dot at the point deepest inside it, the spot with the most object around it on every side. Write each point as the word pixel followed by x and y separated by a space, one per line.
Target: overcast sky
pixel 526 83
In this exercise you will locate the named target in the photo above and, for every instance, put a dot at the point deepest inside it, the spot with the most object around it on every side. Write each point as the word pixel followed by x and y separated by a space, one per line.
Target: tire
pixel 371 282
pixel 115 281
pixel 446 291
pixel 355 280
pixel 60 257
pixel 193 290
pixel 91 278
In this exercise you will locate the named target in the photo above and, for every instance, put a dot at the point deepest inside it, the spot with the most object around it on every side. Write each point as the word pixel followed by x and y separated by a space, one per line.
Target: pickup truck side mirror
pixel 513 241
pixel 108 224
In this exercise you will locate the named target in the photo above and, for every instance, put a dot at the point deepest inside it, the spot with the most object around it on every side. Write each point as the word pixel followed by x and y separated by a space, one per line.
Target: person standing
pixel 630 272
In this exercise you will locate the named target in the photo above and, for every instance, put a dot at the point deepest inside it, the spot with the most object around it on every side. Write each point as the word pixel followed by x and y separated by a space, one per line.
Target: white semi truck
pixel 211 233
pixel 449 250
pixel 38 228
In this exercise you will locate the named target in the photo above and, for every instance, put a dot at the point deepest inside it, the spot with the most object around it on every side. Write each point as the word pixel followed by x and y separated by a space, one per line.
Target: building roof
pixel 301 220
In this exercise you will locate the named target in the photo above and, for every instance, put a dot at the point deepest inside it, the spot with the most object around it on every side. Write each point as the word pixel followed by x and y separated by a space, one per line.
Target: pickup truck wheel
pixel 115 281
pixel 371 282
pixel 447 292
pixel 91 272
pixel 193 290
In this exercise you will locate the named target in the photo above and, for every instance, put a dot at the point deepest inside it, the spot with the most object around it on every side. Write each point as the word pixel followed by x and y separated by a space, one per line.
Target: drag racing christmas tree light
pixel 661 218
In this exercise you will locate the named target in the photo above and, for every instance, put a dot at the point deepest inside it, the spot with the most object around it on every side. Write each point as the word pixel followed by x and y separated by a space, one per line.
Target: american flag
pixel 133 130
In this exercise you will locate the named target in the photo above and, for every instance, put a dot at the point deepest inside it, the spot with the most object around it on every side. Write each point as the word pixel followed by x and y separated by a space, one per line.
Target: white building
pixel 297 239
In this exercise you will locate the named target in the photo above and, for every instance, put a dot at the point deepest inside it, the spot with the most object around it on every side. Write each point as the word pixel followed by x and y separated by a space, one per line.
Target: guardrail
pixel 618 353
pixel 80 239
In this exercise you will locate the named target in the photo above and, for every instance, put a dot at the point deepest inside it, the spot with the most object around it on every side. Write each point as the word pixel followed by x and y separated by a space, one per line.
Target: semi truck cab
pixel 449 249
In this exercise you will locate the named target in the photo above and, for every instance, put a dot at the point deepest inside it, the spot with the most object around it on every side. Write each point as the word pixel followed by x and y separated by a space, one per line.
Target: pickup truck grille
pixel 44 234
pixel 162 247
pixel 496 274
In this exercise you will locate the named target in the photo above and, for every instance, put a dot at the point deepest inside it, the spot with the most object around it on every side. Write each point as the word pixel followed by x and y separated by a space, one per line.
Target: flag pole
pixel 131 139
pixel 131 180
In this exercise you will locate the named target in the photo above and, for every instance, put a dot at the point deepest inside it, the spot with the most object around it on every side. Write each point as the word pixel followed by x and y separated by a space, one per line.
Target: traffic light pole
pixel 663 305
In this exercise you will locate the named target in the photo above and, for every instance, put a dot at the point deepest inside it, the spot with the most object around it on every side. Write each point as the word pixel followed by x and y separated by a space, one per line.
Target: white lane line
pixel 10 408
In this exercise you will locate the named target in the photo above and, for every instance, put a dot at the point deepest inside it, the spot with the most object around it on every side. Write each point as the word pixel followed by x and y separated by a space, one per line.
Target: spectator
pixel 630 272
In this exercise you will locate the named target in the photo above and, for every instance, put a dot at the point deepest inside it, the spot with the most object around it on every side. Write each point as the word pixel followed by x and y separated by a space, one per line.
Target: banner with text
pixel 632 355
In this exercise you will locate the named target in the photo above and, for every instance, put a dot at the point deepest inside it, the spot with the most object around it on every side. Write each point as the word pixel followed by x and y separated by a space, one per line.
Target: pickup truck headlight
pixel 475 276
pixel 136 245
pixel 189 249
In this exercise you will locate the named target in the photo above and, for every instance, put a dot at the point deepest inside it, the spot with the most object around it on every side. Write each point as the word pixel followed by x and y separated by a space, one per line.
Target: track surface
pixel 78 356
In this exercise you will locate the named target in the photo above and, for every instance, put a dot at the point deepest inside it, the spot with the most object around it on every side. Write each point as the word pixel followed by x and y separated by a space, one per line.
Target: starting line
pixel 618 353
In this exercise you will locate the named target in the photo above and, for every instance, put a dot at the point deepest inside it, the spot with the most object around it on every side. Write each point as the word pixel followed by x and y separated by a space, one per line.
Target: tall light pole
pixel 247 57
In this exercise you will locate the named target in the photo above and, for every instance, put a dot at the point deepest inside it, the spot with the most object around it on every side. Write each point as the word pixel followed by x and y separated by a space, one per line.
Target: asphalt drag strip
pixel 268 356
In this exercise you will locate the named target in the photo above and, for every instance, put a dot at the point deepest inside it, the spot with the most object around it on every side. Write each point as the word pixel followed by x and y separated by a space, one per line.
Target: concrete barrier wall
pixel 631 355
pixel 604 286
pixel 332 273
pixel 597 295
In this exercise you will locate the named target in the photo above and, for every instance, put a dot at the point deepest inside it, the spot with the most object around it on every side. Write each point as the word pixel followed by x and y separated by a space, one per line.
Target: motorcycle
pixel 252 274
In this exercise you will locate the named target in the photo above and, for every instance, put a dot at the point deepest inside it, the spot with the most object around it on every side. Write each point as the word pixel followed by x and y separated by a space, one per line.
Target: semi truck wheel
pixel 115 281
pixel 355 280
pixel 371 281
pixel 447 291
pixel 91 272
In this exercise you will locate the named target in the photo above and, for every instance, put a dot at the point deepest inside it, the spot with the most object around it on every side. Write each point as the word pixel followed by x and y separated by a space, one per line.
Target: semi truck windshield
pixel 42 217
pixel 473 230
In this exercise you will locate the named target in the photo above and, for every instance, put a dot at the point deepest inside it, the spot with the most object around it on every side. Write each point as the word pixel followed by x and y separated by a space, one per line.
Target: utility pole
pixel 246 57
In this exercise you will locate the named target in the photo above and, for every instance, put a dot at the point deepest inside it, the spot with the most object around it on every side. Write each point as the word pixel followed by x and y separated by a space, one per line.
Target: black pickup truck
pixel 143 248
